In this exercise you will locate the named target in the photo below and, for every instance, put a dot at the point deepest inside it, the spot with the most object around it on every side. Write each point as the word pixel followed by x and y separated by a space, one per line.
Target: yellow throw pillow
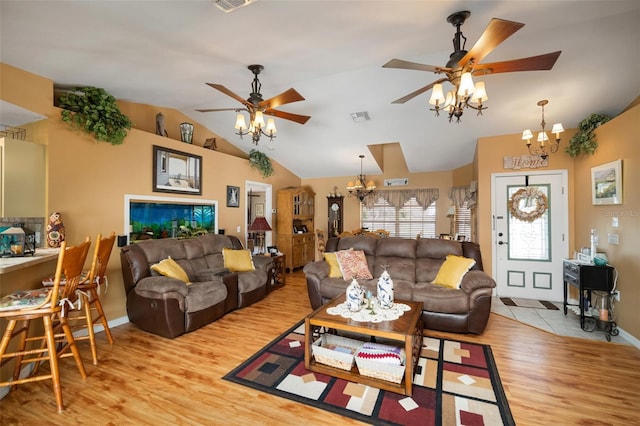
pixel 334 267
pixel 237 260
pixel 452 270
pixel 170 268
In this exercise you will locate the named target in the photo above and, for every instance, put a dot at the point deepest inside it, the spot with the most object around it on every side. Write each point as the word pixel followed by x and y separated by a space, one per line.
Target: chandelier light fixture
pixel 360 189
pixel 256 127
pixel 544 146
pixel 465 94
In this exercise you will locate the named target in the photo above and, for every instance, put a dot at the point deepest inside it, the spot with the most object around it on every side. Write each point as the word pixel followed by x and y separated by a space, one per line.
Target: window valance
pixel 398 197
pixel 459 194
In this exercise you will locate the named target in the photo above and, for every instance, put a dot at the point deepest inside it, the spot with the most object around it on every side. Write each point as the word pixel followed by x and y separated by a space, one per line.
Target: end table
pixel 278 276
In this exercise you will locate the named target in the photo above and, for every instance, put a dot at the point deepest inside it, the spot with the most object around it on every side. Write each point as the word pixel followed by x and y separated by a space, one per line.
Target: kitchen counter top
pixel 10 264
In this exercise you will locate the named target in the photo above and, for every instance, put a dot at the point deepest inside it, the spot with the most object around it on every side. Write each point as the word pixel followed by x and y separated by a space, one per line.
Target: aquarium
pixel 166 217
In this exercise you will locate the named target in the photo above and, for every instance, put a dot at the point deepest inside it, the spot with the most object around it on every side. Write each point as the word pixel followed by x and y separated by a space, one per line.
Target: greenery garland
pixel 95 111
pixel 259 160
pixel 535 204
pixel 584 141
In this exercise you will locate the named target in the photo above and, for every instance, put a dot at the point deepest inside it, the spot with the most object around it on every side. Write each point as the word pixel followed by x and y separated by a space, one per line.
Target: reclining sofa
pixel 413 265
pixel 169 306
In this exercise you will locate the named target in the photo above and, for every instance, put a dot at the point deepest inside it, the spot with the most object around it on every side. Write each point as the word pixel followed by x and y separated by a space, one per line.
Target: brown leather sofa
pixel 413 265
pixel 168 306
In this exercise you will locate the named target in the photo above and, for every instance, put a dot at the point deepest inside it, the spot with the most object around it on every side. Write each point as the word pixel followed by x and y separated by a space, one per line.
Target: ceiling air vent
pixel 231 5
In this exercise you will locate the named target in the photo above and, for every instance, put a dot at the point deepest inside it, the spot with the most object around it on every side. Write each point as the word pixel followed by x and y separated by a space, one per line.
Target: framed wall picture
pixel 176 171
pixel 233 196
pixel 259 209
pixel 606 183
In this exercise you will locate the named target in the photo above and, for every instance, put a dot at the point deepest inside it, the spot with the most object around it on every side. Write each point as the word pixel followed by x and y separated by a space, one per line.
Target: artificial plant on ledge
pixel 259 160
pixel 584 141
pixel 94 111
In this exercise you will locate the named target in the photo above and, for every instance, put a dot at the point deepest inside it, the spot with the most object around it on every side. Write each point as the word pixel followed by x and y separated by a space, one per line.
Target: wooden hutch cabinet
pixel 295 227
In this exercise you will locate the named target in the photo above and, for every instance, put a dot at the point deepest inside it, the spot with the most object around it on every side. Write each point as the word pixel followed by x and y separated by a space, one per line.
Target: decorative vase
pixel 355 296
pixel 55 230
pixel 186 132
pixel 385 290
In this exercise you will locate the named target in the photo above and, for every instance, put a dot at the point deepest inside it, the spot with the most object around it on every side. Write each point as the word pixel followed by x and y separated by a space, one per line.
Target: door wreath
pixel 528 204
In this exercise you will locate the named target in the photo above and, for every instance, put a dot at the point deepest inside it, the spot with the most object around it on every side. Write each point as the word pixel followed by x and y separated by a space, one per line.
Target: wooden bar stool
pixel 50 305
pixel 89 290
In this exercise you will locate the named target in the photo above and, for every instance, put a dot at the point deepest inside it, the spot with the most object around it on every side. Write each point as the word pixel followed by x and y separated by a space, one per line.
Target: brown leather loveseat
pixel 170 307
pixel 413 265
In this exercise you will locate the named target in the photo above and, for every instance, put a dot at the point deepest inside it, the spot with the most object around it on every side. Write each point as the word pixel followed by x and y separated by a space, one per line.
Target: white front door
pixel 529 241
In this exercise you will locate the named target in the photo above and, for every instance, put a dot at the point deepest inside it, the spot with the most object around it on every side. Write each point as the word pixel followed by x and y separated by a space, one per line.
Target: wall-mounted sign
pixel 396 182
pixel 524 162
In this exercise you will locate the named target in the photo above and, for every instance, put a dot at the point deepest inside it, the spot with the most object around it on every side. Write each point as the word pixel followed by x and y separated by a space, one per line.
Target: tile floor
pixel 551 321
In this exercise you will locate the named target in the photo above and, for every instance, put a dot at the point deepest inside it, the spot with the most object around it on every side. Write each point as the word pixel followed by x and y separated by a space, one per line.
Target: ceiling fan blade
pixel 288 116
pixel 219 109
pixel 228 92
pixel 399 63
pixel 285 97
pixel 532 63
pixel 496 32
pixel 418 92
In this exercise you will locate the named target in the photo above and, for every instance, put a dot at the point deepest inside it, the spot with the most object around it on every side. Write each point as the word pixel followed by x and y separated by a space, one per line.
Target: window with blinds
pixel 407 222
pixel 462 224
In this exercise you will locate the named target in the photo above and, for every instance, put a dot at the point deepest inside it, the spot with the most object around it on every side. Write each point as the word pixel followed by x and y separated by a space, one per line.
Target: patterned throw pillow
pixel 170 268
pixel 353 264
pixel 452 270
pixel 237 260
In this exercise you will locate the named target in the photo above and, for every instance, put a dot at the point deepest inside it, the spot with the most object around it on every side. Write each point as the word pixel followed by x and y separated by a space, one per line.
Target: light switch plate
pixel 612 238
pixel 614 222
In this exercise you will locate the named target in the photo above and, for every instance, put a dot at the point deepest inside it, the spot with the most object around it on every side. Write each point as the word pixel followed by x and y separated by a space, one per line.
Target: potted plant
pixel 259 160
pixel 95 111
pixel 584 141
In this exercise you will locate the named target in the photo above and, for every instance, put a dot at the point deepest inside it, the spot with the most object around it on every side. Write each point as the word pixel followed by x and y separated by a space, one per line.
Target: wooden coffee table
pixel 406 330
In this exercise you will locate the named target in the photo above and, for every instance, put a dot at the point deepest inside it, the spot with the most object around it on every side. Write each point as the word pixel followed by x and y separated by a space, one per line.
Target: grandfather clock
pixel 334 205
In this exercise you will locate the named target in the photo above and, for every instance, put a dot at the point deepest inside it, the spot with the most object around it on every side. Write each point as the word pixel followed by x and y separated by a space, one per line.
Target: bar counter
pixel 10 264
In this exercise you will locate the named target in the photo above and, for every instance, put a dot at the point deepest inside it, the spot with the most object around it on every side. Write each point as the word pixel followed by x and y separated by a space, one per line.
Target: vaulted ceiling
pixel 332 52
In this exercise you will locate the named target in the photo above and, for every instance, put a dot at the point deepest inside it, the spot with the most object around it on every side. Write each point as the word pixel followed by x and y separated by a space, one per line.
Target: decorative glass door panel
pixel 529 239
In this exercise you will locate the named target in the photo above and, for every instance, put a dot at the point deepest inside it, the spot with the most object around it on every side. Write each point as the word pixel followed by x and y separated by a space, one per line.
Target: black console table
pixel 585 277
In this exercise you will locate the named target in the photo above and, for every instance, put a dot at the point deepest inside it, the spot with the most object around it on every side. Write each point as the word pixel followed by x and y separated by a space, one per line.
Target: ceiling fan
pixel 256 106
pixel 462 65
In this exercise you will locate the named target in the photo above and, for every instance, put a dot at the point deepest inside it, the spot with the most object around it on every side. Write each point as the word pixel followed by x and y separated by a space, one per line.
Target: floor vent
pixel 231 5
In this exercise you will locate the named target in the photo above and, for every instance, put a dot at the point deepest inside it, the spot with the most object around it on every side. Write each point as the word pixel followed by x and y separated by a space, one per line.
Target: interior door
pixel 529 240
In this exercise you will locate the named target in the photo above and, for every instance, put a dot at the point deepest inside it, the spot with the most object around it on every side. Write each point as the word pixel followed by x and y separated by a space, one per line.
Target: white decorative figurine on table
pixel 355 296
pixel 385 290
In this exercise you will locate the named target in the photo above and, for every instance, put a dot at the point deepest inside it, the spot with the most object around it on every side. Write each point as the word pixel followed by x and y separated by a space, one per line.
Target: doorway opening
pixel 259 204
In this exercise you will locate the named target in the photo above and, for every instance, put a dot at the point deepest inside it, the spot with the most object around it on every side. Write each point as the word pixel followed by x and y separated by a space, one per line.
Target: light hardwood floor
pixel 146 379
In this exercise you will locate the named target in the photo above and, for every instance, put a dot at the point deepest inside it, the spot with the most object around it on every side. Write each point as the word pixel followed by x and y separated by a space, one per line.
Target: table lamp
pixel 260 226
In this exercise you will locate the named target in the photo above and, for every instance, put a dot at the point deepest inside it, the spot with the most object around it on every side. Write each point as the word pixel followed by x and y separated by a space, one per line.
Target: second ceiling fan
pixel 256 106
pixel 462 65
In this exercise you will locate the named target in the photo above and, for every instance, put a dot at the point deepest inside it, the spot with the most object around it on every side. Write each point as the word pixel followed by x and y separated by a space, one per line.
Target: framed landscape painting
pixel 176 171
pixel 606 183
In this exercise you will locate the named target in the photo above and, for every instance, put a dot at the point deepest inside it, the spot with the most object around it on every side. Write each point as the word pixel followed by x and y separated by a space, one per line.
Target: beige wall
pixel 87 180
pixel 617 139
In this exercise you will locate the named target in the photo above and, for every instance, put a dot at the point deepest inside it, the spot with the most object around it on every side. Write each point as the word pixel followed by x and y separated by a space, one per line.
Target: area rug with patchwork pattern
pixel 455 383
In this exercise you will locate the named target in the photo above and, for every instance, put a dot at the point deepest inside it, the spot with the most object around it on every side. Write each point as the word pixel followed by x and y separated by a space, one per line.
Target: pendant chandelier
pixel 544 146
pixel 360 189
